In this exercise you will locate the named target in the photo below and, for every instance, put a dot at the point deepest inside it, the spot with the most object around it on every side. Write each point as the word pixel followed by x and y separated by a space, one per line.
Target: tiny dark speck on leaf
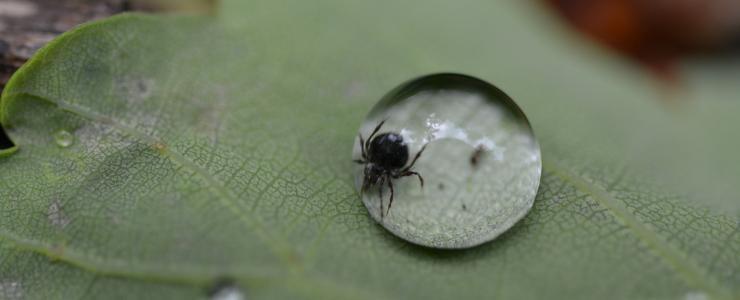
pixel 56 252
pixel 441 186
pixel 143 87
pixel 464 207
pixel 477 155
pixel 160 147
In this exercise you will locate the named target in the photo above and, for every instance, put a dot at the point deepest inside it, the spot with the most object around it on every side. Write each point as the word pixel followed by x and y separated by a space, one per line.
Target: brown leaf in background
pixel 657 33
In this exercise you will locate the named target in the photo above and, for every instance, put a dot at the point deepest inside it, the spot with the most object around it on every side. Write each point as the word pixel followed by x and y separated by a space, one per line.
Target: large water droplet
pixel 481 166
pixel 63 138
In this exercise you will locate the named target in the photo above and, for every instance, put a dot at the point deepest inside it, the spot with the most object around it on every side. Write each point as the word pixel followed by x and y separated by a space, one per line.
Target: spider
pixel 384 157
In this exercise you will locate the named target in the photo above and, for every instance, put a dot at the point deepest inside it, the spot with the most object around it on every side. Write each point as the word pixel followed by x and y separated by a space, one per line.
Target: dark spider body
pixel 388 151
pixel 385 157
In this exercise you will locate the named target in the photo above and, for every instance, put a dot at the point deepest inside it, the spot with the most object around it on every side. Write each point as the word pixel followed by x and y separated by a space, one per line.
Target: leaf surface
pixel 210 148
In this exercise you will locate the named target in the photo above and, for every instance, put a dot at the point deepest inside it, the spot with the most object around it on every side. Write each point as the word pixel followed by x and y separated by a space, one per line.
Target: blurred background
pixel 689 51
pixel 27 25
pixel 656 34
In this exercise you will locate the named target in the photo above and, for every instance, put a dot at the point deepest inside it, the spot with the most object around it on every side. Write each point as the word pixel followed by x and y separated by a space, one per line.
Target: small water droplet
pixel 63 138
pixel 480 149
pixel 225 289
pixel 694 295
pixel 56 215
pixel 11 290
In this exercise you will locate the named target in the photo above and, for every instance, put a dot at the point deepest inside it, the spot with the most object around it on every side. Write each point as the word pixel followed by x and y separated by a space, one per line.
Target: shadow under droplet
pixel 5 142
pixel 454 255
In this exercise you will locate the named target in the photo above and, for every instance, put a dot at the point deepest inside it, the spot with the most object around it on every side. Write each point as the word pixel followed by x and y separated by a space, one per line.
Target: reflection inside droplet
pixel 481 164
pixel 63 138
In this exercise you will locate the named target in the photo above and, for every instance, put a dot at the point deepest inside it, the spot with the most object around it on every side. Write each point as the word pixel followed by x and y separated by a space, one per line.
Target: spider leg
pixel 367 143
pixel 362 147
pixel 366 181
pixel 359 161
pixel 390 202
pixel 418 154
pixel 380 193
pixel 412 173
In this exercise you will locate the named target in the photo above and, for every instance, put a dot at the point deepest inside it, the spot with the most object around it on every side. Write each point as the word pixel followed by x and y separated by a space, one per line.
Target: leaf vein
pixel 677 259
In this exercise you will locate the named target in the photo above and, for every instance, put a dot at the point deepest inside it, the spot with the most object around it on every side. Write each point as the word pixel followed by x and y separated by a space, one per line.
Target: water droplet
pixel 56 215
pixel 225 289
pixel 481 164
pixel 11 290
pixel 63 138
pixel 694 295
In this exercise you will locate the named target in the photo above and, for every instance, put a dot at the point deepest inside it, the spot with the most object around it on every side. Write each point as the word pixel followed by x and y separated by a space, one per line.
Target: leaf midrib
pixel 183 277
pixel 193 278
pixel 280 248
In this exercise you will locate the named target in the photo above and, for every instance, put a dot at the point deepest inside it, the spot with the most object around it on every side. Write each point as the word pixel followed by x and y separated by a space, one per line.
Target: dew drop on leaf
pixel 11 290
pixel 63 138
pixel 225 289
pixel 481 165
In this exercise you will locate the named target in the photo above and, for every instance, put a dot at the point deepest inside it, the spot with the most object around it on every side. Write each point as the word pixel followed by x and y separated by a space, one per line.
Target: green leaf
pixel 211 148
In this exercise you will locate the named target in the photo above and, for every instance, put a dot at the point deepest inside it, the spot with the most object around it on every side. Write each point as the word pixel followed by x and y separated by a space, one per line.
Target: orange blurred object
pixel 656 33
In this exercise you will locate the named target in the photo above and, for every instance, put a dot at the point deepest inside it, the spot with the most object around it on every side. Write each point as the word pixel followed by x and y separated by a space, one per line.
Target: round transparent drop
pixel 481 165
pixel 63 138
